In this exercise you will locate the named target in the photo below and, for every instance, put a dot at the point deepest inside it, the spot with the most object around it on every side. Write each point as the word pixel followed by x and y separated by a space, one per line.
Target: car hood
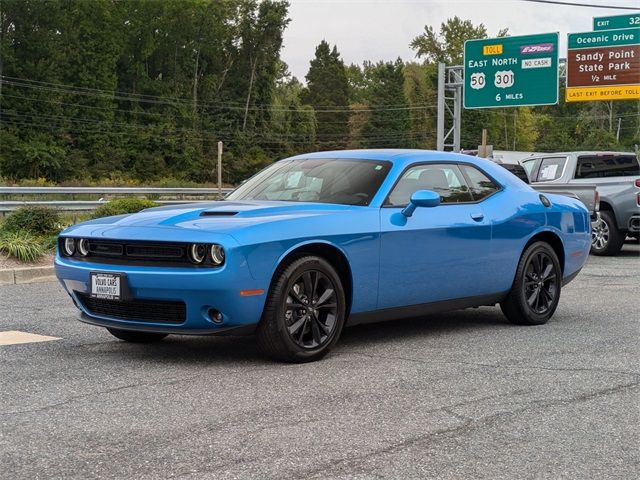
pixel 220 217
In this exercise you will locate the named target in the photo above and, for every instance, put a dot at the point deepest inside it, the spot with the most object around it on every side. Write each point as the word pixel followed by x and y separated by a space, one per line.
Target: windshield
pixel 349 182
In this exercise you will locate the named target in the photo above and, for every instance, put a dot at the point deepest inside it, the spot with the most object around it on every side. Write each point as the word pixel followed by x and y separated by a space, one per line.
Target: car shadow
pixel 629 250
pixel 239 351
pixel 425 326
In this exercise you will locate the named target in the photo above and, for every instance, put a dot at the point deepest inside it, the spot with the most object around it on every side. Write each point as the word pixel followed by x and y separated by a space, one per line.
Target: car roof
pixel 394 155
pixel 580 152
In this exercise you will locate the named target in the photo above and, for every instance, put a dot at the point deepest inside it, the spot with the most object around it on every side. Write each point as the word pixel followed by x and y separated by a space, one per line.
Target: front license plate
pixel 106 285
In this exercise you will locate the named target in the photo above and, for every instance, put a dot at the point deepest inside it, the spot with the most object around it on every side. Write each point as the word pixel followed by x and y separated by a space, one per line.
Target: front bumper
pixel 201 289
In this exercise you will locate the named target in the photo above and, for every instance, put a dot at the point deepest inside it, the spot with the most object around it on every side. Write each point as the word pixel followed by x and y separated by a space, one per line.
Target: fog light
pixel 69 246
pixel 217 254
pixel 83 247
pixel 197 253
pixel 215 315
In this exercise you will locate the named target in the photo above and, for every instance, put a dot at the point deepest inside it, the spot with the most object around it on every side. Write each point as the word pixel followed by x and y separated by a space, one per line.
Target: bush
pixel 35 220
pixel 22 245
pixel 122 206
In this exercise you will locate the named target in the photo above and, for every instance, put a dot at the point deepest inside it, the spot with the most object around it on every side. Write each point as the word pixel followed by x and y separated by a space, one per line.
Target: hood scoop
pixel 217 213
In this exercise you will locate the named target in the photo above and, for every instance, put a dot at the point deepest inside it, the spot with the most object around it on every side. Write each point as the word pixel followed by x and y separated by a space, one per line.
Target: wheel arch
pixel 605 205
pixel 329 252
pixel 553 240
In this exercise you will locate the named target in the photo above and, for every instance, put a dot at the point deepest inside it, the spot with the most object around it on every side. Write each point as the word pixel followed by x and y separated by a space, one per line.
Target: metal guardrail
pixel 166 196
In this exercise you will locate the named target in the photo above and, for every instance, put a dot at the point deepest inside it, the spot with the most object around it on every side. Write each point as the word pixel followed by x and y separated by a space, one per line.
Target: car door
pixel 439 253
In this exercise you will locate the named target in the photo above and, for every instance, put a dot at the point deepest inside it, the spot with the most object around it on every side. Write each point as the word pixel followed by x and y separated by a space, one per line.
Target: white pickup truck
pixel 617 179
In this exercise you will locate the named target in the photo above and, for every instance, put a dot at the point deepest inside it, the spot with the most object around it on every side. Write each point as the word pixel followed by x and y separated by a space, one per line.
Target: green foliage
pixel 142 89
pixel 22 245
pixel 386 127
pixel 122 206
pixel 328 93
pixel 448 45
pixel 123 93
pixel 36 220
pixel 49 242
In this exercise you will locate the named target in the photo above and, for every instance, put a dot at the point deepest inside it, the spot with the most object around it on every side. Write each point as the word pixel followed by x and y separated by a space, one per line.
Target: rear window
pixel 551 169
pixel 600 166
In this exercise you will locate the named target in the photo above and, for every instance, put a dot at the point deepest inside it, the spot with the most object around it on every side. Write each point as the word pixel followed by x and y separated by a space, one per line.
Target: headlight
pixel 197 253
pixel 69 246
pixel 83 247
pixel 217 254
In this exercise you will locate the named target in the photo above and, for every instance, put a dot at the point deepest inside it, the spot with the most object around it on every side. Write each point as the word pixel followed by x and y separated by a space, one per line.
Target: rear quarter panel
pixel 516 222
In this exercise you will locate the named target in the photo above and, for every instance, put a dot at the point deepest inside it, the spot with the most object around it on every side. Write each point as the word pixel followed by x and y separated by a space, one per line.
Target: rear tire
pixel 136 337
pixel 535 293
pixel 304 312
pixel 606 239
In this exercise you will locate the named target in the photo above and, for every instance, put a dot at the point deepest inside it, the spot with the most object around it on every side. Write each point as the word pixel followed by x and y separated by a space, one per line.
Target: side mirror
pixel 421 198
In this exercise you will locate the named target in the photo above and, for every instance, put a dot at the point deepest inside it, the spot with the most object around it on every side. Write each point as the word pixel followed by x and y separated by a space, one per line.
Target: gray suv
pixel 617 179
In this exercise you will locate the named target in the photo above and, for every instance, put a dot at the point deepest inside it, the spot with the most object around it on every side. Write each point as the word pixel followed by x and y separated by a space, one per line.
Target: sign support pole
pixel 450 84
pixel 457 117
pixel 220 169
pixel 441 82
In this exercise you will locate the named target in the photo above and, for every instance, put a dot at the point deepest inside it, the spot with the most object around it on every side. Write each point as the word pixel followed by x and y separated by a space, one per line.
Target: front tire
pixel 304 312
pixel 606 239
pixel 136 337
pixel 535 293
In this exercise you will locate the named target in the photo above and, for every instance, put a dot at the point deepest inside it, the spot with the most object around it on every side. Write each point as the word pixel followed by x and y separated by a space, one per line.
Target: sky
pixel 382 29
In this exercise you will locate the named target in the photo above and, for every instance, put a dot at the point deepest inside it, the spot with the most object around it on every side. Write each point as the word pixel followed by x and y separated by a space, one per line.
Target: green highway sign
pixel 511 71
pixel 604 38
pixel 628 20
pixel 603 65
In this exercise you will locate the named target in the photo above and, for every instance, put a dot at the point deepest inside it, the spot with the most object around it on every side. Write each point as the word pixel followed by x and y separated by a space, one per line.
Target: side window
pixel 551 169
pixel 447 180
pixel 600 166
pixel 529 167
pixel 481 186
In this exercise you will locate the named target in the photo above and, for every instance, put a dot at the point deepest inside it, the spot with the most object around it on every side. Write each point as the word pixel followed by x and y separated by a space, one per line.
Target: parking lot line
pixel 14 337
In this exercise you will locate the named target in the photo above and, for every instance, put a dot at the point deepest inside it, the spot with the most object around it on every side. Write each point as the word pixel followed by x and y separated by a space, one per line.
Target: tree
pixel 388 122
pixel 448 45
pixel 328 93
pixel 421 97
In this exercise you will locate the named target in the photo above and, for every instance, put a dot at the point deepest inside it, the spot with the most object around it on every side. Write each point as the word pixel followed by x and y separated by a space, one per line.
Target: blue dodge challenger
pixel 317 241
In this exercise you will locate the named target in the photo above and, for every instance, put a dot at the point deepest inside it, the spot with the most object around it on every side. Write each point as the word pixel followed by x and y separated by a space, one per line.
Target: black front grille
pixel 157 311
pixel 156 251
pixel 137 252
pixel 104 248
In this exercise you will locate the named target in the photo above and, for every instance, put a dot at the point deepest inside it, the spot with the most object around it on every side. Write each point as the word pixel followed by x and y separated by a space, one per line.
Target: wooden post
pixel 483 150
pixel 220 169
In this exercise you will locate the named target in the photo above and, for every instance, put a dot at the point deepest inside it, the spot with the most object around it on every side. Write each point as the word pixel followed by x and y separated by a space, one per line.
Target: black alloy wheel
pixel 535 292
pixel 311 309
pixel 304 312
pixel 540 283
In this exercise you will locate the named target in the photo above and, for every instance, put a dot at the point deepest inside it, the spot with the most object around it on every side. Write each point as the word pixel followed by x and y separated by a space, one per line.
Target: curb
pixel 17 276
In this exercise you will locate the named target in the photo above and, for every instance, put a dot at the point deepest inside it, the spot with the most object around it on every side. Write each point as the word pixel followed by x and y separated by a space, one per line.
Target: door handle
pixel 477 216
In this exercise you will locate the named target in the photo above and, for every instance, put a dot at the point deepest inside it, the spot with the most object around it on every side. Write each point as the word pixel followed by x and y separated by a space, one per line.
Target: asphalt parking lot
pixel 462 395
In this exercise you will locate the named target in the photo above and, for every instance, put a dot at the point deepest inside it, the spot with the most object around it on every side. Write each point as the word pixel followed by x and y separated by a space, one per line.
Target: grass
pixel 22 245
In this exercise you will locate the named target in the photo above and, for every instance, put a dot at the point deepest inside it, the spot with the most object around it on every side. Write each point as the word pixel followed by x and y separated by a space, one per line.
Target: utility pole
pixel 220 169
